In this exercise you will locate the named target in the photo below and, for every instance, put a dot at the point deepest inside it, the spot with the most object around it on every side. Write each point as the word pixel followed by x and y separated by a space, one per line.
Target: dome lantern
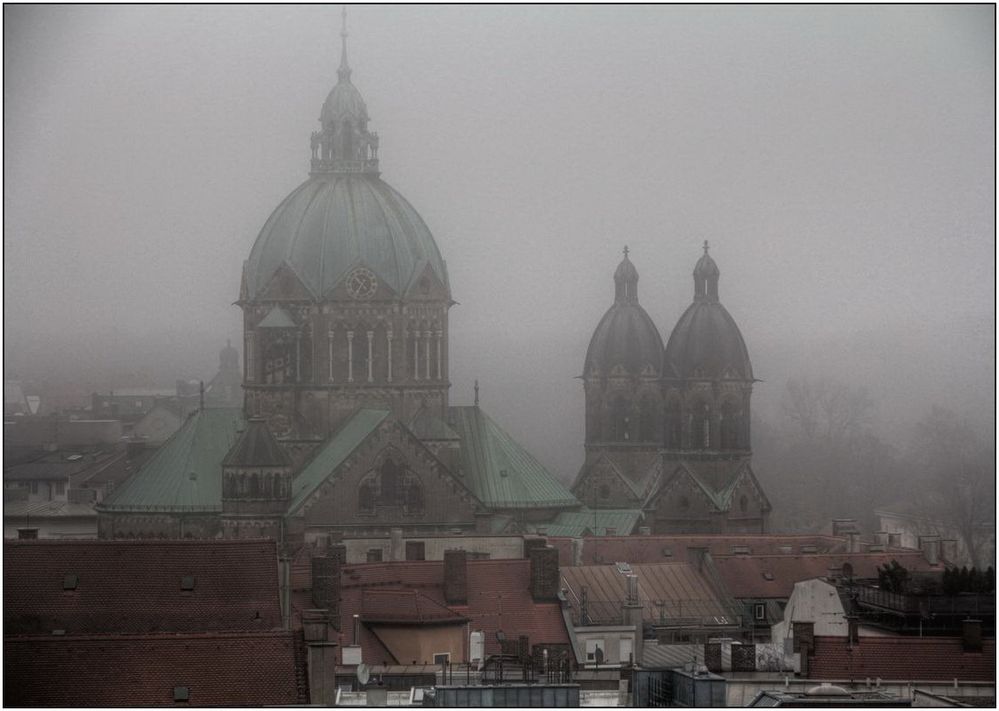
pixel 343 144
pixel 706 275
pixel 626 281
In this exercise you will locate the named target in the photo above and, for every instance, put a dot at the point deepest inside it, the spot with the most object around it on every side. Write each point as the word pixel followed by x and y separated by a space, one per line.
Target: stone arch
pixel 699 414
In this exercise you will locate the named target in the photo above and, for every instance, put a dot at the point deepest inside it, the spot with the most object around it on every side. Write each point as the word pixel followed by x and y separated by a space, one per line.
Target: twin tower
pixel 667 429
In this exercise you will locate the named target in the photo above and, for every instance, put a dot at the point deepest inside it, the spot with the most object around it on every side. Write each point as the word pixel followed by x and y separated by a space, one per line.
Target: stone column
pixel 331 354
pixel 438 334
pixel 371 360
pixel 350 356
pixel 426 335
pixel 416 355
pixel 388 339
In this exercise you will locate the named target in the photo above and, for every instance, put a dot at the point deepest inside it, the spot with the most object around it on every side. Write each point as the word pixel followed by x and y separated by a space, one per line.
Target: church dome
pixel 626 335
pixel 706 342
pixel 344 216
pixel 334 222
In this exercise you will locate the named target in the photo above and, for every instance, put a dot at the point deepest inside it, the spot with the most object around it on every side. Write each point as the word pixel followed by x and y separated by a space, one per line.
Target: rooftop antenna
pixel 705 246
pixel 201 404
pixel 476 392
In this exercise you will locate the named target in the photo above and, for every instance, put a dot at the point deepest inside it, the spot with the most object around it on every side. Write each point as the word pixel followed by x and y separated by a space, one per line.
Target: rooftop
pixel 137 587
pixel 902 658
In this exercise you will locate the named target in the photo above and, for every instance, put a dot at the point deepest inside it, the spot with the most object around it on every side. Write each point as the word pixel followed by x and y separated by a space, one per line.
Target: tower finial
pixel 626 251
pixel 476 392
pixel 705 246
pixel 344 71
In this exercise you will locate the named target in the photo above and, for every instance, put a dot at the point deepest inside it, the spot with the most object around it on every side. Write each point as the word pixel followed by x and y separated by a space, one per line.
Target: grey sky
pixel 840 159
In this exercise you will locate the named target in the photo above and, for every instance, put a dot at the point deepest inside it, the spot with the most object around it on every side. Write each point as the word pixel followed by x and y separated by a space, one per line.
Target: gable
pixel 285 285
pixel 426 286
pixel 602 484
pixel 360 283
pixel 377 473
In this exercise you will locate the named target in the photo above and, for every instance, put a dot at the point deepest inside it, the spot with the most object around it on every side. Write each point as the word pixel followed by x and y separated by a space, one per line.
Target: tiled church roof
pixel 499 471
pixel 185 474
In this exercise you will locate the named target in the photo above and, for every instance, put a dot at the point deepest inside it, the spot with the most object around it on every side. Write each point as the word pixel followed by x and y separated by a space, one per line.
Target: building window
pixel 441 658
pixel 415 550
pixel 760 611
pixel 595 650
pixel 374 555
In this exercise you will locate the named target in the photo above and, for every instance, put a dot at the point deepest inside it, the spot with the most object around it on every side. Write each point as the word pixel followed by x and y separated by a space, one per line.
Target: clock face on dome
pixel 361 283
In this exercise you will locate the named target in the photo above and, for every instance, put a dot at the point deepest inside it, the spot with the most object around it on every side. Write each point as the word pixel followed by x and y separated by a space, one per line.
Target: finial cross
pixel 705 246
pixel 476 393
pixel 343 25
pixel 626 250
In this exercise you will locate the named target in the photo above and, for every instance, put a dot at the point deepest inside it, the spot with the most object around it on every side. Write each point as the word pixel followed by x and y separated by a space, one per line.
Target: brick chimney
pixel 532 543
pixel 971 635
pixel 455 576
pixel 930 546
pixel 803 635
pixel 27 534
pixel 326 584
pixel 544 573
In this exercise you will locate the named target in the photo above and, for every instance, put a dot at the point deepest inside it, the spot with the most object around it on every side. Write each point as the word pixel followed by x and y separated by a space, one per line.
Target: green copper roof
pixel 594 521
pixel 185 474
pixel 332 223
pixel 498 470
pixel 333 454
pixel 425 425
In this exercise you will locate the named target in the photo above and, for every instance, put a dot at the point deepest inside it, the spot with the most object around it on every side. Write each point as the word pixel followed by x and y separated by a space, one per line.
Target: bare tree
pixel 958 472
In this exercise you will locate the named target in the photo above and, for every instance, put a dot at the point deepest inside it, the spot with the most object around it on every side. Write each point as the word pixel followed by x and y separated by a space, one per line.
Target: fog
pixel 839 159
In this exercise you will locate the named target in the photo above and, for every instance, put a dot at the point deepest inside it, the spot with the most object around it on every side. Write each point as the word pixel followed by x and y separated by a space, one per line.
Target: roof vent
pixel 187 584
pixel 503 473
pixel 667 552
pixel 181 693
pixel 623 567
pixel 70 582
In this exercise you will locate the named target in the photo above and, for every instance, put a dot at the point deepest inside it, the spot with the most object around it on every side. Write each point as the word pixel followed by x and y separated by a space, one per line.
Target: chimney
pixel 455 576
pixel 853 629
pixel 397 550
pixel 971 635
pixel 854 538
pixel 326 586
pixel 577 551
pixel 645 530
pixel 948 549
pixel 633 615
pixel 930 546
pixel 27 534
pixel 882 538
pixel 803 636
pixel 532 543
pixel 696 556
pixel 544 573
pixel 894 540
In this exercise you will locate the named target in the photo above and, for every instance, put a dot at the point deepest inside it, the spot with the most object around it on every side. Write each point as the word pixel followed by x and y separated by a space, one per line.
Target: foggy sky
pixel 840 160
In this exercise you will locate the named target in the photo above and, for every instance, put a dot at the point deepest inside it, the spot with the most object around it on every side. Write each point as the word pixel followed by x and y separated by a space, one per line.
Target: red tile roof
pixel 219 669
pixel 405 607
pixel 902 658
pixel 134 587
pixel 499 598
pixel 598 550
pixel 677 588
pixel 748 576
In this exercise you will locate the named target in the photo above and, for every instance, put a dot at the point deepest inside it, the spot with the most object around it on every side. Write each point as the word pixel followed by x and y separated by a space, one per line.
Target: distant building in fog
pixel 667 429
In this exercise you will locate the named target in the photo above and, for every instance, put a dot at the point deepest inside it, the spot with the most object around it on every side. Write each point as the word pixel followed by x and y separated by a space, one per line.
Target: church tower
pixel 621 379
pixel 708 484
pixel 345 295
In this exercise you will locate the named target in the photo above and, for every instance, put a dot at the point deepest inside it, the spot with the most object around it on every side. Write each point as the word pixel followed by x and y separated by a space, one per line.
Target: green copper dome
pixel 334 222
pixel 344 215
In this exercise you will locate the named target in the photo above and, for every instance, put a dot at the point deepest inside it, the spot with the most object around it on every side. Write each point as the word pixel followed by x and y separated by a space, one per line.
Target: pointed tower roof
pixel 344 101
pixel 256 448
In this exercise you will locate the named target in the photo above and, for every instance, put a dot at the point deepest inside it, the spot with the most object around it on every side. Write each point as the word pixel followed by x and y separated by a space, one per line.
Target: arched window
pixel 730 426
pixel 647 420
pixel 390 490
pixel 366 497
pixel 414 496
pixel 620 424
pixel 700 427
pixel 674 425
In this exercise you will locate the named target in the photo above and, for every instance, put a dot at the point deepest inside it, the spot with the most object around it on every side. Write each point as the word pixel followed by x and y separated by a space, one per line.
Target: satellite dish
pixel 363 674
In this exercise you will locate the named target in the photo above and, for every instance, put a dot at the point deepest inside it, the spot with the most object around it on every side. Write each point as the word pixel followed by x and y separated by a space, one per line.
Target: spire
pixel 344 71
pixel 476 392
pixel 626 280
